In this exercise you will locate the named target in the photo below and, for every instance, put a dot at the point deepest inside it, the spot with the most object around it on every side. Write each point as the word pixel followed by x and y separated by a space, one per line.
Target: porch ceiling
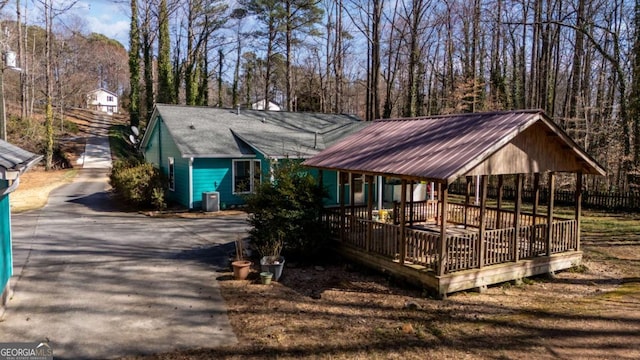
pixel 443 148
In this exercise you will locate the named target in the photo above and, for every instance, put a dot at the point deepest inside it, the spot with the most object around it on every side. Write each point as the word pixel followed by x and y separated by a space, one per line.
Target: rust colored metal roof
pixel 440 148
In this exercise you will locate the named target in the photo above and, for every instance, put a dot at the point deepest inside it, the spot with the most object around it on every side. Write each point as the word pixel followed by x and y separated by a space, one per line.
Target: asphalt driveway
pixel 98 283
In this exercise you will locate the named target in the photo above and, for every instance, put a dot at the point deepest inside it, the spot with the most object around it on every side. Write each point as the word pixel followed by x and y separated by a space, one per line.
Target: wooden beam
pixel 343 195
pixel 534 211
pixel 552 190
pixel 467 198
pixel 483 210
pixel 499 205
pixel 515 243
pixel 403 223
pixel 352 195
pixel 442 241
pixel 411 205
pixel 438 208
pixel 578 206
pixel 369 179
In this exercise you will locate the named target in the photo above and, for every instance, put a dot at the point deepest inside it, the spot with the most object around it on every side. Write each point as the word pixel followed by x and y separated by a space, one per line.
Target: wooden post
pixel 536 202
pixel 343 212
pixel 578 207
pixel 352 196
pixel 438 208
pixel 403 223
pixel 442 242
pixel 552 190
pixel 411 205
pixel 369 212
pixel 467 198
pixel 499 205
pixel 483 209
pixel 515 241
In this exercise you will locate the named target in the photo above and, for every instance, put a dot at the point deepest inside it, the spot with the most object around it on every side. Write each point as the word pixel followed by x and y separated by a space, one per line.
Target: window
pixel 110 98
pixel 172 175
pixel 247 175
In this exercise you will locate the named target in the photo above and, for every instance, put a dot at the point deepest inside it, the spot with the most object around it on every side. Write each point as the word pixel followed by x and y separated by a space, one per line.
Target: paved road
pixel 99 283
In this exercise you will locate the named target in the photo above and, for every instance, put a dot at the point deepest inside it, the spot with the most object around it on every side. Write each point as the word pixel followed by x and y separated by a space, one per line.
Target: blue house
pixel 203 149
pixel 13 162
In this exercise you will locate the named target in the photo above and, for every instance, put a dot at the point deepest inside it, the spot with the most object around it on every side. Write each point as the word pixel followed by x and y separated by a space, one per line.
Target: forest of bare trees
pixel 575 59
pixel 59 63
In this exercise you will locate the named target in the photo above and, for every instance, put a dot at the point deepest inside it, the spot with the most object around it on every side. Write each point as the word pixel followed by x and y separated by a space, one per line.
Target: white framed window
pixel 247 175
pixel 172 174
pixel 110 98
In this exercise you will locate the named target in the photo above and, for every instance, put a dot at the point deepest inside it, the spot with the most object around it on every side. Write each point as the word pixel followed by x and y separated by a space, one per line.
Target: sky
pixel 107 17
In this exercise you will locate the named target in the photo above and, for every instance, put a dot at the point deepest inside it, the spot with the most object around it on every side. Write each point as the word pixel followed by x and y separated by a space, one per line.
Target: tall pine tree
pixel 134 66
pixel 165 80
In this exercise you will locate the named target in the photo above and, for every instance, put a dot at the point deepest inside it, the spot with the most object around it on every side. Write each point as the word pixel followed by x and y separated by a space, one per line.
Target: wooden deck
pixel 469 261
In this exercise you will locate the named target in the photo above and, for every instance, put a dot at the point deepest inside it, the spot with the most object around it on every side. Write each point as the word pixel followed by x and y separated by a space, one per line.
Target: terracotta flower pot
pixel 241 269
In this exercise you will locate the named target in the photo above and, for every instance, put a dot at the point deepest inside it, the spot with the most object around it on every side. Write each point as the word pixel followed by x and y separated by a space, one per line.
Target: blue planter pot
pixel 272 264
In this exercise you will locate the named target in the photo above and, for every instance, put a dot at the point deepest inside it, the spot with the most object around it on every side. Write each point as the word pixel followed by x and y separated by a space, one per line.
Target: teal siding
pixel 217 175
pixel 6 263
pixel 152 151
pixel 158 150
pixel 212 175
pixel 330 183
pixel 180 194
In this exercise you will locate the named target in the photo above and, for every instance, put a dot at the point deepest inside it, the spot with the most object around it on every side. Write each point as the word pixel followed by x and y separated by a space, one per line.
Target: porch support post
pixel 467 198
pixel 403 223
pixel 499 205
pixel 515 242
pixel 411 205
pixel 536 201
pixel 442 242
pixel 552 191
pixel 482 226
pixel 343 213
pixel 439 208
pixel 578 207
pixel 352 195
pixel 369 211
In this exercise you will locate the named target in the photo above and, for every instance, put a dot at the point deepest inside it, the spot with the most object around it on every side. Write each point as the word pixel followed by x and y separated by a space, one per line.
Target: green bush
pixel 138 184
pixel 285 213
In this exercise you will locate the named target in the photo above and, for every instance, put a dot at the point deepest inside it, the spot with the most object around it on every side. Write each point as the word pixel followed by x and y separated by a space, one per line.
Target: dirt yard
pixel 340 311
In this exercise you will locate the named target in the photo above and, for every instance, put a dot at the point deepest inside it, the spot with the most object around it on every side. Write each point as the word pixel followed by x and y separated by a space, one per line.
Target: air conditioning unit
pixel 211 201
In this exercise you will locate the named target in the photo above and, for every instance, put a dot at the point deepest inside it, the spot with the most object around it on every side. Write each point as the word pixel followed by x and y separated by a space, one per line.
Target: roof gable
pixel 102 90
pixel 446 147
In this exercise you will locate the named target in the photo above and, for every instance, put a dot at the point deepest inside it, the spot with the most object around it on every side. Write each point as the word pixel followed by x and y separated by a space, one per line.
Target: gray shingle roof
pixel 215 132
pixel 13 158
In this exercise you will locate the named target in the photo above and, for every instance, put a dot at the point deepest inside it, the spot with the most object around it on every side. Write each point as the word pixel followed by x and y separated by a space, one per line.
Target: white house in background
pixel 259 105
pixel 102 100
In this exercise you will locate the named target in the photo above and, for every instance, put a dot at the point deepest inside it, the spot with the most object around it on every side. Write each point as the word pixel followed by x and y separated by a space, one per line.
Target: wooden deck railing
pixel 494 218
pixel 463 250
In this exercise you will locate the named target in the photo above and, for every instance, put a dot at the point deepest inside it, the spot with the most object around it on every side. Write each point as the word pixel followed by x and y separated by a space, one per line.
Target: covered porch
pixel 448 244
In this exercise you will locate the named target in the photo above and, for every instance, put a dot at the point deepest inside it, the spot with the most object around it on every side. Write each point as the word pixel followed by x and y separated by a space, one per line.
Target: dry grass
pixel 338 312
pixel 35 186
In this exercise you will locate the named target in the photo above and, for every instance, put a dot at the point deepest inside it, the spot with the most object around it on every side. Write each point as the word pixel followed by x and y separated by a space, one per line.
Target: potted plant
pixel 240 266
pixel 271 260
